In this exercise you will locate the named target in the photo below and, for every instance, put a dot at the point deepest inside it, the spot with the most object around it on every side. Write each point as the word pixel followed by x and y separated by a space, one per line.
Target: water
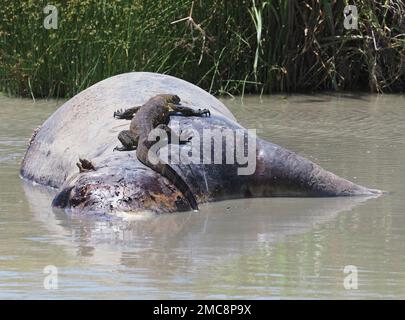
pixel 255 248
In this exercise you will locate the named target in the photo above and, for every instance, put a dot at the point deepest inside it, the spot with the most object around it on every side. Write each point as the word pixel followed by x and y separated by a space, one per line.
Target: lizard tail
pixel 168 172
pixel 178 181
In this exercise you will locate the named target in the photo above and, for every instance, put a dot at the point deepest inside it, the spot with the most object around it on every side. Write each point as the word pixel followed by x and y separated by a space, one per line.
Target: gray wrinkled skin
pixel 84 127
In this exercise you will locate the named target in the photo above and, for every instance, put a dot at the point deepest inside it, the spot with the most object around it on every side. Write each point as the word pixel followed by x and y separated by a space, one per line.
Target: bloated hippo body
pixel 85 127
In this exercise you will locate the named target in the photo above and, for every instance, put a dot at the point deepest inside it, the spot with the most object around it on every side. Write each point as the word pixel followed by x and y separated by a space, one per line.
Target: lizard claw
pixel 118 114
pixel 186 136
pixel 123 148
pixel 205 112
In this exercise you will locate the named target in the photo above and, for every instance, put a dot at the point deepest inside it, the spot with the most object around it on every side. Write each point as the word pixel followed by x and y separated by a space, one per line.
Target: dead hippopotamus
pixel 84 127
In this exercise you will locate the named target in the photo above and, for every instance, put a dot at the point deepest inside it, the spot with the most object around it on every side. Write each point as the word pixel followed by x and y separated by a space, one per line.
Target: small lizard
pixel 155 113
pixel 85 165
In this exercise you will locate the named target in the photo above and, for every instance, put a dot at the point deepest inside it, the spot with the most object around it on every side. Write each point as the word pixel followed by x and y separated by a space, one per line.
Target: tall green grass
pixel 224 46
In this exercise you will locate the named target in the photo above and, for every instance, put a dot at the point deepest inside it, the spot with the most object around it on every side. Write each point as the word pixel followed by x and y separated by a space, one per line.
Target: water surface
pixel 252 248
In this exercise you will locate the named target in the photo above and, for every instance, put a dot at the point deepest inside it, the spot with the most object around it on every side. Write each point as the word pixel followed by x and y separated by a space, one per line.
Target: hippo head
pixel 115 188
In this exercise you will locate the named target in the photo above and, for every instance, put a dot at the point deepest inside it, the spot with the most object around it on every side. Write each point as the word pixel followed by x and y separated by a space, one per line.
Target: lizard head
pixel 171 98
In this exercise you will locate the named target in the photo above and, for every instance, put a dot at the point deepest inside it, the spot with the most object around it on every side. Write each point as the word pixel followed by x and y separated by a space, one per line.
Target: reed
pixel 224 46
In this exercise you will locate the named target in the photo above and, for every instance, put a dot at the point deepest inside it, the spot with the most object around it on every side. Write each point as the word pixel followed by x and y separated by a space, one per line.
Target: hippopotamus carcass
pixel 84 127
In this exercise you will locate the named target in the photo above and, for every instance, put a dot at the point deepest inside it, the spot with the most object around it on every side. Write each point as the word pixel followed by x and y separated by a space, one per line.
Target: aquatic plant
pixel 224 46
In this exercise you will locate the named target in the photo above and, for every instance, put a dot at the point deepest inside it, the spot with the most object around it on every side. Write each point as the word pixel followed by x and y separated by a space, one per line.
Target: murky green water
pixel 255 248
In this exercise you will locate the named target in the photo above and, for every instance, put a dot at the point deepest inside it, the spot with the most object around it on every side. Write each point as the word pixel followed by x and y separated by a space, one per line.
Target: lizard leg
pixel 186 111
pixel 128 139
pixel 126 114
pixel 172 136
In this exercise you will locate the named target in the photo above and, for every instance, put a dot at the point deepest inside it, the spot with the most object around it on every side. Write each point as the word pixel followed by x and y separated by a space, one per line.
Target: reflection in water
pixel 210 232
pixel 172 245
pixel 252 248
